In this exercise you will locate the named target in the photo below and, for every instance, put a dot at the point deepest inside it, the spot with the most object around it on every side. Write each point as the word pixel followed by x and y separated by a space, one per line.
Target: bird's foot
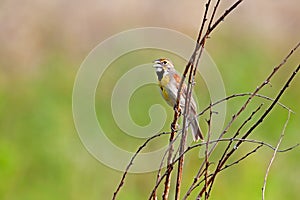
pixel 174 127
pixel 177 110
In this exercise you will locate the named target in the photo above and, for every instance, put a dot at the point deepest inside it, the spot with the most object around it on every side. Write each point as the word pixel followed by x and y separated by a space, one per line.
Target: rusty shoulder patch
pixel 177 78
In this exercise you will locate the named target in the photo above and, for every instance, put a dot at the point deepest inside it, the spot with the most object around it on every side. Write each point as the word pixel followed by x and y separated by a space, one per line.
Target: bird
pixel 168 82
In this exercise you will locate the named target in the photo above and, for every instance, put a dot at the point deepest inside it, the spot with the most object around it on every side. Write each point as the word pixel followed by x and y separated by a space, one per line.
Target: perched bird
pixel 169 81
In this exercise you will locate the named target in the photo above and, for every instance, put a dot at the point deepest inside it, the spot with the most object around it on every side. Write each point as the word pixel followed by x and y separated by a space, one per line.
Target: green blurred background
pixel 42 46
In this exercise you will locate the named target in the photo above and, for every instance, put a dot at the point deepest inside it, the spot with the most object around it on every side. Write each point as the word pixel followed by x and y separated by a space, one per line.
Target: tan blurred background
pixel 42 44
pixel 32 29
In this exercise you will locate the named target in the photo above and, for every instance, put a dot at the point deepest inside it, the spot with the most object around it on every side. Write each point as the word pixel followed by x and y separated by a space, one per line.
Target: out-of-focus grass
pixel 41 156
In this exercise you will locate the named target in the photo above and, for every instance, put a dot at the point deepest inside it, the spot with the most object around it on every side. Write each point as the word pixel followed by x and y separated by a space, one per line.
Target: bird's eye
pixel 164 62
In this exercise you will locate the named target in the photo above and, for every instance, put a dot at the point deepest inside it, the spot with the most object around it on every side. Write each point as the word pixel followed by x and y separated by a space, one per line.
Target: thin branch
pixel 176 109
pixel 202 42
pixel 209 122
pixel 274 155
pixel 286 85
pixel 235 135
pixel 204 19
pixel 216 141
pixel 156 185
pixel 244 157
pixel 234 163
pixel 169 159
pixel 229 98
pixel 132 159
pixel 242 95
pixel 238 140
pixel 237 161
pixel 178 131
pixel 234 96
pixel 163 158
pixel 209 179
pixel 213 14
pixel 220 19
pixel 267 80
pixel 206 35
pixel 183 137
pixel 247 155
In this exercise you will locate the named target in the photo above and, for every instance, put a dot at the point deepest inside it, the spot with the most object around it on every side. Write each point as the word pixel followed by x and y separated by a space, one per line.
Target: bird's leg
pixel 177 110
pixel 174 127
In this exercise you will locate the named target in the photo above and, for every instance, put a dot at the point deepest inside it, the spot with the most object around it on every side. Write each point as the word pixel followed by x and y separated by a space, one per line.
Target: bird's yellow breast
pixel 164 81
pixel 164 93
pixel 163 84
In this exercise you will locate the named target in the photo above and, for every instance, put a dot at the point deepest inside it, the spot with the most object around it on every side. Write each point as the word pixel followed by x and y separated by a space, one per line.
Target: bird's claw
pixel 174 127
pixel 177 110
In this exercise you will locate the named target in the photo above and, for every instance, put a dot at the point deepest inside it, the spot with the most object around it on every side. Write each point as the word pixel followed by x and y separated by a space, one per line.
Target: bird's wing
pixel 193 106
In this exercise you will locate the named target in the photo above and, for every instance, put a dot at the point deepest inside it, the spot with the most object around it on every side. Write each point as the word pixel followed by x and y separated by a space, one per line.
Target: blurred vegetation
pixel 41 155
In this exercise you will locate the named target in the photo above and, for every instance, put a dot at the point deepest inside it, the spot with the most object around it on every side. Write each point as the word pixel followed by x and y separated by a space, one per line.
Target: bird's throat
pixel 160 74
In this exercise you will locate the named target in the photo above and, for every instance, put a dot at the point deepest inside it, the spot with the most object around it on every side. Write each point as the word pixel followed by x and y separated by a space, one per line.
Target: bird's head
pixel 162 67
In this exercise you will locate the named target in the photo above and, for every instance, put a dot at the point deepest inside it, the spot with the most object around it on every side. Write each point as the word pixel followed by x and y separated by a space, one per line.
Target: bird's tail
pixel 196 131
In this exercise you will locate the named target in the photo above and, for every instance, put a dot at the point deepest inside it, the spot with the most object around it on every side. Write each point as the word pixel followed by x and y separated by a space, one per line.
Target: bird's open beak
pixel 156 64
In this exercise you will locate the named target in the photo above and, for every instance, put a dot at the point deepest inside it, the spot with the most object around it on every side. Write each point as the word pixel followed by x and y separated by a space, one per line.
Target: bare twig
pixel 209 107
pixel 190 65
pixel 235 135
pixel 234 96
pixel 190 88
pixel 209 122
pixel 164 133
pixel 244 157
pixel 176 114
pixel 208 179
pixel 220 19
pixel 286 85
pixel 213 14
pixel 169 160
pixel 132 159
pixel 183 138
pixel 198 45
pixel 202 43
pixel 162 161
pixel 242 95
pixel 157 184
pixel 216 141
pixel 267 80
pixel 274 155
pixel 238 140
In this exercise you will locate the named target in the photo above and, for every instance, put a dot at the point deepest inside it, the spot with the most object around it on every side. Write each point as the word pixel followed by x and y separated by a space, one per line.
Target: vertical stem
pixel 183 136
pixel 169 160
